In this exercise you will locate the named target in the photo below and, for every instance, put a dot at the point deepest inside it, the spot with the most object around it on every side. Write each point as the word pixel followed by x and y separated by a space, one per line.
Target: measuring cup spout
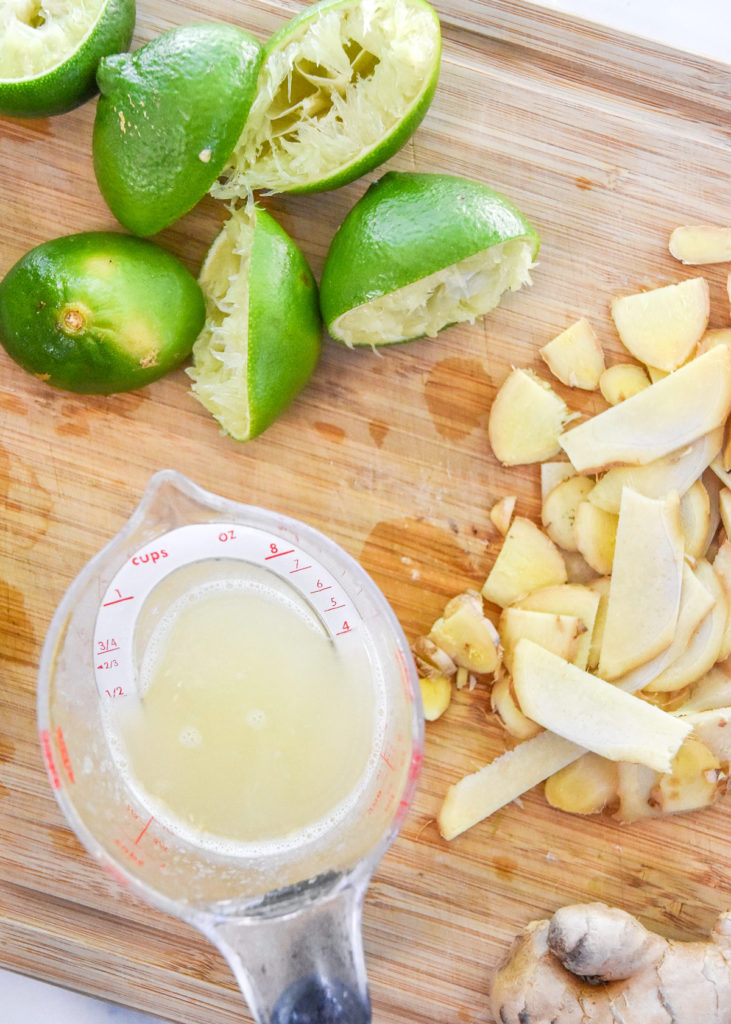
pixel 300 960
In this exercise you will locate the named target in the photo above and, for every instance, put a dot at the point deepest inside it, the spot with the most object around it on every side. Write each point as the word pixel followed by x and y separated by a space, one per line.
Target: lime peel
pixel 458 294
pixel 342 87
pixel 262 335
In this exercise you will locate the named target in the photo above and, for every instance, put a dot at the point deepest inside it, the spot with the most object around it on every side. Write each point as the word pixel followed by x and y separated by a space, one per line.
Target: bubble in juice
pixel 251 726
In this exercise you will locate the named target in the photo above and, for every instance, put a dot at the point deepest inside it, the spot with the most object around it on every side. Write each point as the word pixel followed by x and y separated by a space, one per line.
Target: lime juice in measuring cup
pixel 230 720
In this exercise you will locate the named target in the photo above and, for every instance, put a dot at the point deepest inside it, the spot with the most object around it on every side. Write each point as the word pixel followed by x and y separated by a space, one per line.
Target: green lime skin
pixel 72 82
pixel 99 312
pixel 408 225
pixel 283 305
pixel 167 119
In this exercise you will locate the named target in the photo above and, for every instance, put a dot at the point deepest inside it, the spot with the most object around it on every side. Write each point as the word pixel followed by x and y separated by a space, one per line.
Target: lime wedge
pixel 418 252
pixel 167 119
pixel 49 51
pixel 261 340
pixel 342 87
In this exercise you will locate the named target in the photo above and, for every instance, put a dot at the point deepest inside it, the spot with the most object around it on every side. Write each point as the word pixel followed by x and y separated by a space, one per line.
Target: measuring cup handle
pixel 302 964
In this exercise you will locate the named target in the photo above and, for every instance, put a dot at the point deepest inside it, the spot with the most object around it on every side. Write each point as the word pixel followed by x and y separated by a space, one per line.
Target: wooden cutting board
pixel 607 143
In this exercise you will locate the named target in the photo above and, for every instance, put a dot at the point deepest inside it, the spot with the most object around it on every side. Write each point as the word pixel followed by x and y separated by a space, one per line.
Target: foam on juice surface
pixel 251 726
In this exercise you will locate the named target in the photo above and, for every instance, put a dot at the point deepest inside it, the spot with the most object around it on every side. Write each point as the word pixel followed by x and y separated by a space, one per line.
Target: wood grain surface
pixel 606 143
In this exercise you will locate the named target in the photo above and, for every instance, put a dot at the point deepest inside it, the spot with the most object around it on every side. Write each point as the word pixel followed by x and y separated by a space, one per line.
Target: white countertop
pixel 702 28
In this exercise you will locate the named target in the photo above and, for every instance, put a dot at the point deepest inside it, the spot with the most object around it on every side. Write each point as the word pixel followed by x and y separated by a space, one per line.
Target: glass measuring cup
pixel 286 915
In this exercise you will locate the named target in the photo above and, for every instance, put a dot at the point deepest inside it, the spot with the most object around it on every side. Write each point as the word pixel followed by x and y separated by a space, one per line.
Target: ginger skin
pixel 595 964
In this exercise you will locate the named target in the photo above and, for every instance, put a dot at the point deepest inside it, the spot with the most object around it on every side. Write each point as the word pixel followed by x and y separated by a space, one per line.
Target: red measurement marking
pixel 147 825
pixel 345 630
pixel 106 646
pixel 48 758
pixel 384 758
pixel 320 588
pixel 334 608
pixel 278 554
pixel 63 750
pixel 118 600
pixel 299 568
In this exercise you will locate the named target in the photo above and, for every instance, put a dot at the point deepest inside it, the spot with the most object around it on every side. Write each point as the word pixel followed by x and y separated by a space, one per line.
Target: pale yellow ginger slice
pixel 478 795
pixel 661 327
pixel 722 568
pixel 505 706
pixel 431 660
pixel 575 357
pixel 600 587
pixel 501 513
pixel 695 520
pixel 664 418
pixel 677 471
pixel 528 559
pixel 595 533
pixel 557 633
pixel 699 244
pixel 703 650
pixel 592 713
pixel 526 418
pixel 466 634
pixel 709 693
pixel 713 728
pixel 558 512
pixel 436 695
pixel 647 575
pixel 724 507
pixel 696 603
pixel 622 381
pixel 694 780
pixel 586 786
pixel 577 599
pixel 552 474
pixel 635 783
pixel 714 336
pixel 717 466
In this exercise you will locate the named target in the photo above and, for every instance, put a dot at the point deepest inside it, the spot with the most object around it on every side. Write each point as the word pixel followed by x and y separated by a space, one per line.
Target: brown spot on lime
pixel 458 394
pixel 378 431
pixel 151 359
pixel 73 321
pixel 330 431
pixel 419 565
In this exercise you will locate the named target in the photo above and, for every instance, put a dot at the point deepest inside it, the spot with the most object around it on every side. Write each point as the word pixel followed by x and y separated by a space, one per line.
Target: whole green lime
pixel 49 52
pixel 167 119
pixel 263 332
pixel 343 85
pixel 418 252
pixel 99 312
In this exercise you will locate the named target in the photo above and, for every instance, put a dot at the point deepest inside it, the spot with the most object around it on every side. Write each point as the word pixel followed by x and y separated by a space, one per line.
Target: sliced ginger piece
pixel 677 471
pixel 702 652
pixel 552 474
pixel 505 706
pixel 526 418
pixel 466 634
pixel 709 693
pixel 480 794
pixel 714 336
pixel 591 712
pixel 694 780
pixel 635 783
pixel 622 381
pixel 528 559
pixel 695 519
pixel 595 532
pixel 661 327
pixel 696 603
pixel 713 728
pixel 501 513
pixel 664 418
pixel 647 576
pixel 722 568
pixel 699 244
pixel 724 507
pixel 558 512
pixel 600 587
pixel 575 599
pixel 436 695
pixel 557 633
pixel 575 357
pixel 586 786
